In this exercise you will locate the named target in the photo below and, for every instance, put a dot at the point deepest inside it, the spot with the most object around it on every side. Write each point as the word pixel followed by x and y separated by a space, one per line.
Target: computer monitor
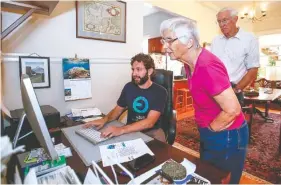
pixel 35 117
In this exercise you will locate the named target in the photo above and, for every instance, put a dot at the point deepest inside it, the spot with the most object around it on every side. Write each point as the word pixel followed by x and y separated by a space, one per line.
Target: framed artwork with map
pixel 101 20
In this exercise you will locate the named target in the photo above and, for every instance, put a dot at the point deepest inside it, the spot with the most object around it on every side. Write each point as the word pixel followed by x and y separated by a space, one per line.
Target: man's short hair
pixel 232 11
pixel 147 61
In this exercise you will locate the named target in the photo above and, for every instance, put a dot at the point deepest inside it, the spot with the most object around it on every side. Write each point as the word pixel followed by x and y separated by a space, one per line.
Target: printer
pixel 52 119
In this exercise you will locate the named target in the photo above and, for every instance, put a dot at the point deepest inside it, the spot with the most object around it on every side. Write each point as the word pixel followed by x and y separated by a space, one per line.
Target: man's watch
pixel 237 90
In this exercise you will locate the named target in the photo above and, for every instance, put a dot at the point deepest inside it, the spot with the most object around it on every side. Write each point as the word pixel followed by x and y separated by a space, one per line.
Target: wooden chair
pixel 184 104
pixel 262 82
pixel 278 86
pixel 265 84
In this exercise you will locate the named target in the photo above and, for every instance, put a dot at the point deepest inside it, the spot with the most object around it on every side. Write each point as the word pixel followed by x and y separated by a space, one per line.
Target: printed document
pixel 85 112
pixel 123 151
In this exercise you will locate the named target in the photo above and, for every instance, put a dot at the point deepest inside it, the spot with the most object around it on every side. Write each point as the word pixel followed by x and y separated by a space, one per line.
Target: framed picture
pixel 38 70
pixel 207 46
pixel 101 20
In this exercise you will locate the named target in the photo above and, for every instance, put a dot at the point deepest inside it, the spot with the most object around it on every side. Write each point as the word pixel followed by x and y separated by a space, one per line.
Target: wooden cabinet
pixel 155 45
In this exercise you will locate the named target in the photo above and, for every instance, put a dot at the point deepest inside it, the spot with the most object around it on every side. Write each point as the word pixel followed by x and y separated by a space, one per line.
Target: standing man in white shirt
pixel 238 50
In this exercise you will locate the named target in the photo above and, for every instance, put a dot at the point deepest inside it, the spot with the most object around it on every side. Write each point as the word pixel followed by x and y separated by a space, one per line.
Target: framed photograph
pixel 207 46
pixel 38 70
pixel 101 20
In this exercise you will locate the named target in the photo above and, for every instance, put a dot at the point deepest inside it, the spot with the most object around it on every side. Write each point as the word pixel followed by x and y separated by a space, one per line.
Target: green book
pixel 45 166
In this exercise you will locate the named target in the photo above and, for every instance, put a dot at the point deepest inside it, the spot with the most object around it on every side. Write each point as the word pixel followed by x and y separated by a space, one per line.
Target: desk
pixel 264 97
pixel 162 152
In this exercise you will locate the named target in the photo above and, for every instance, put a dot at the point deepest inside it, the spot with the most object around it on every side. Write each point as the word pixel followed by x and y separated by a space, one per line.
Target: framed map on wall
pixel 101 20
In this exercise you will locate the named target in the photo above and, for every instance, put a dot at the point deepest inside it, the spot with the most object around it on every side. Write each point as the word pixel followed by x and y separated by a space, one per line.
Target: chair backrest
pixel 278 84
pixel 165 79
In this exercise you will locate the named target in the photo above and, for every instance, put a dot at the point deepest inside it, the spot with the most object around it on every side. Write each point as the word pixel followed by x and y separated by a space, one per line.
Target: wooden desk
pixel 162 152
pixel 264 96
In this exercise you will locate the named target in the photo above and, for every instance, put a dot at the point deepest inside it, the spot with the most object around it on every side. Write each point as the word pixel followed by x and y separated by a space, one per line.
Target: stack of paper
pixel 123 151
pixel 87 112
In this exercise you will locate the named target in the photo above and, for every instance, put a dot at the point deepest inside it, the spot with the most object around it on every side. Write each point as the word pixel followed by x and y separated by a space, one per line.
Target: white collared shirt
pixel 239 53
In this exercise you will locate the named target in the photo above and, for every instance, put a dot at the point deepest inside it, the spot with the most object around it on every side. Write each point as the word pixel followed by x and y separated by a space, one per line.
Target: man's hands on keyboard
pixel 112 131
pixel 99 123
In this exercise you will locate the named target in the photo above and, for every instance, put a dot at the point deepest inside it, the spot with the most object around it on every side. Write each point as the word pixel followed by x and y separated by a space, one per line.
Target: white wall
pixel 193 9
pixel 55 36
pixel 151 23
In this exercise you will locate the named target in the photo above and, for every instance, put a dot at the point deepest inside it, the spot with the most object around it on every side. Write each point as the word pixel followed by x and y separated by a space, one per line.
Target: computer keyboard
pixel 91 135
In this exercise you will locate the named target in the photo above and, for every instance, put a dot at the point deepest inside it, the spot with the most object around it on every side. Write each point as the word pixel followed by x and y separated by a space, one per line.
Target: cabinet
pixel 155 45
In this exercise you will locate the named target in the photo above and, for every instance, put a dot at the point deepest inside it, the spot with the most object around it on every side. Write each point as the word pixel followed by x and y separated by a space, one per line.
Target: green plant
pixel 271 61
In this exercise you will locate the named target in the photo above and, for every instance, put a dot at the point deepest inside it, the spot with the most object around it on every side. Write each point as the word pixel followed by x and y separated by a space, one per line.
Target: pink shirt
pixel 209 78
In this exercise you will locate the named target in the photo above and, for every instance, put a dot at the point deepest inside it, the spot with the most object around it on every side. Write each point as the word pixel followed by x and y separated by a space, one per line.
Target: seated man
pixel 144 100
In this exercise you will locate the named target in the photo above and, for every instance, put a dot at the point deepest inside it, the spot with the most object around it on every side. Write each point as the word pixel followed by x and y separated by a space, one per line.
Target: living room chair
pixel 278 86
pixel 265 84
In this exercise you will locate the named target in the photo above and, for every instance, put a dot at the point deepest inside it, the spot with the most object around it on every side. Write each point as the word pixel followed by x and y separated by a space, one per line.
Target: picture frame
pixel 101 20
pixel 38 70
pixel 207 46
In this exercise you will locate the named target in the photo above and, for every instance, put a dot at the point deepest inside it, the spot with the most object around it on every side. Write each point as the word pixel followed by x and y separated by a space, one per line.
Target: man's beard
pixel 142 81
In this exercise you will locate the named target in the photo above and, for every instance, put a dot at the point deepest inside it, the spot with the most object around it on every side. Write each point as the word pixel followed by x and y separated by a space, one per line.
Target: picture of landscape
pixel 76 69
pixel 35 71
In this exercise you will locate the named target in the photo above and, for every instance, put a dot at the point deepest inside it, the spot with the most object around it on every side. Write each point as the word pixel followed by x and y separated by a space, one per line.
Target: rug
pixel 263 159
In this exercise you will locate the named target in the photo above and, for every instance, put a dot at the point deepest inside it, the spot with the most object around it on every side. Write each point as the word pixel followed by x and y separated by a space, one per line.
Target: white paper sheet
pixel 91 178
pixel 86 112
pixel 123 151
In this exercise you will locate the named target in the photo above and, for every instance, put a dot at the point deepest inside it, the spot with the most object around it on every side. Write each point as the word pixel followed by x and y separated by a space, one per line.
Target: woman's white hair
pixel 232 11
pixel 183 28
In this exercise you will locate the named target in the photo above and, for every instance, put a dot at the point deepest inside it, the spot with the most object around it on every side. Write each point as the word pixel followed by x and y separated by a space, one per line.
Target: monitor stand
pixel 16 138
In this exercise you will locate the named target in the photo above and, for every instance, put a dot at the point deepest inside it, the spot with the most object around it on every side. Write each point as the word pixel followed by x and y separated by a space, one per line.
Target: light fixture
pixel 251 13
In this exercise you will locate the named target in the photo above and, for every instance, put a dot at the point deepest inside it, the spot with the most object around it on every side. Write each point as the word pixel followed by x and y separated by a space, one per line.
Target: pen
pixel 124 174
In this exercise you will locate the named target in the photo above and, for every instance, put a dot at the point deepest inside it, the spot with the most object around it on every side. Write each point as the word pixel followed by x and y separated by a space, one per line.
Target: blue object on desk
pixel 111 147
pixel 125 174
pixel 183 181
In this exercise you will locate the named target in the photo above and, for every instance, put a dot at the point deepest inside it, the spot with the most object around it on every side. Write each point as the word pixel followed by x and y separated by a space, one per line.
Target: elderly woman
pixel 221 123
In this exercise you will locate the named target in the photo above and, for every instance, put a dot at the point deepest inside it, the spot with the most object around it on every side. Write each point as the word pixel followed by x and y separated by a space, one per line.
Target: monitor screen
pixel 35 117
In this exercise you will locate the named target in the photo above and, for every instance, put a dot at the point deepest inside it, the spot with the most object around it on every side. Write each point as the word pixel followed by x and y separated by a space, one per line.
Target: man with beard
pixel 144 100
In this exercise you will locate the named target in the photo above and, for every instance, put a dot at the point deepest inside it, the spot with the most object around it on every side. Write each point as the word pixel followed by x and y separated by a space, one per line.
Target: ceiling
pixel 273 7
pixel 148 9
pixel 42 7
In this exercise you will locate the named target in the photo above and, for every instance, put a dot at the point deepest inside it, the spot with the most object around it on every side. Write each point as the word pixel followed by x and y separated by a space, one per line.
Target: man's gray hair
pixel 183 28
pixel 232 11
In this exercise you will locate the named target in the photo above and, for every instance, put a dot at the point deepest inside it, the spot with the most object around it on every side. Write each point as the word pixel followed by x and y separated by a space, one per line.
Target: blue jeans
pixel 225 149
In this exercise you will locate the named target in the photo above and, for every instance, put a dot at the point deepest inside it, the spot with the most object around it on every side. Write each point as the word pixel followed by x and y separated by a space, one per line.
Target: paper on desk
pixel 123 151
pixel 66 152
pixel 86 112
pixel 91 178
